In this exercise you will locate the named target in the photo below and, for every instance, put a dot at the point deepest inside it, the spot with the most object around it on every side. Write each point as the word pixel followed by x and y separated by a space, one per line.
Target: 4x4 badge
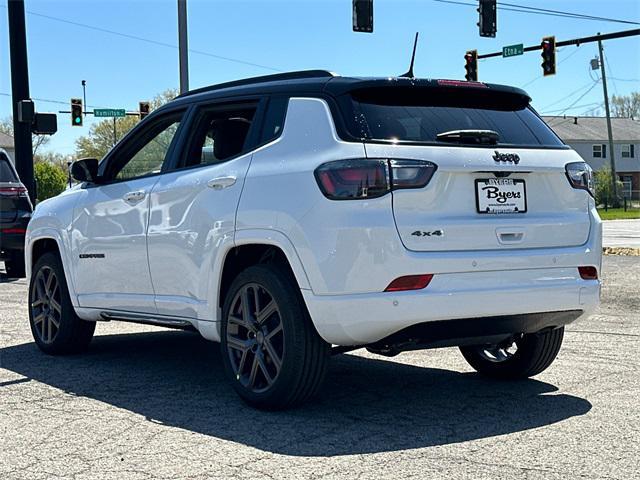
pixel 506 157
pixel 435 233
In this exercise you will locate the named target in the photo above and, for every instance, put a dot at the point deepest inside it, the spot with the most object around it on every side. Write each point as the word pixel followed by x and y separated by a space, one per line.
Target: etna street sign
pixel 513 50
pixel 109 112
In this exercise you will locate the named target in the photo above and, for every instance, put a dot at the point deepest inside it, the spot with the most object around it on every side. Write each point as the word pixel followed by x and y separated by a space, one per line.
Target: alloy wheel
pixel 46 305
pixel 255 338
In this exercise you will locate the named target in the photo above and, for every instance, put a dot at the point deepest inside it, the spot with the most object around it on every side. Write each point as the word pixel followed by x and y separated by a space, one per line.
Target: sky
pixel 241 38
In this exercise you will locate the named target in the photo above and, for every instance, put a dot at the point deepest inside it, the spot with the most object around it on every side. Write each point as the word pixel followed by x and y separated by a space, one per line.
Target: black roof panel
pixel 322 81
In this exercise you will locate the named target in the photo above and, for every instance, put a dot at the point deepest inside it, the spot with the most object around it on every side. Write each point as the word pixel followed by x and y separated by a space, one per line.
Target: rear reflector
pixel 588 273
pixel 12 230
pixel 409 282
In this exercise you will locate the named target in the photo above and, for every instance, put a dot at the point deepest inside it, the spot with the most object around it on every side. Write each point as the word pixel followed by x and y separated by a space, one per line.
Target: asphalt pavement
pixel 148 403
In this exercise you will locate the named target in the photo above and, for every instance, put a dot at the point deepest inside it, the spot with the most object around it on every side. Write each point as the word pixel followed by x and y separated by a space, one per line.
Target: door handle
pixel 221 182
pixel 134 197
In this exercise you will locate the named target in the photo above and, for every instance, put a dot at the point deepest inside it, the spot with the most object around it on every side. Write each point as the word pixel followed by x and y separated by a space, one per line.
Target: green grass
pixel 618 213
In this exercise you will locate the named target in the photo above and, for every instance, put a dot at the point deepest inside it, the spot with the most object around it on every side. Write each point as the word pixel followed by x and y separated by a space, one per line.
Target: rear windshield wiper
pixel 480 137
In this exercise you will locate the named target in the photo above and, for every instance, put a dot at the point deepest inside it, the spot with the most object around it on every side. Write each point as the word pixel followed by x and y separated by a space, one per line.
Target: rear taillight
pixel 18 191
pixel 371 178
pixel 409 282
pixel 580 176
pixel 588 273
pixel 13 230
pixel 352 179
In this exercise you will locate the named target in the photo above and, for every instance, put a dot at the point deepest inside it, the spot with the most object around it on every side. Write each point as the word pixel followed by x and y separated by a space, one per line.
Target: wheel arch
pixel 41 242
pixel 253 247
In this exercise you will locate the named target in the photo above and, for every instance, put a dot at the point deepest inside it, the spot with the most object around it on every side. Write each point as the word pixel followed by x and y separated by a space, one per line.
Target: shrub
pixel 604 194
pixel 50 180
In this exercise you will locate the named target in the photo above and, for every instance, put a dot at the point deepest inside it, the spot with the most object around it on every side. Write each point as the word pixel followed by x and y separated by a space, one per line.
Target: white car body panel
pixel 342 253
pixel 106 224
pixel 191 225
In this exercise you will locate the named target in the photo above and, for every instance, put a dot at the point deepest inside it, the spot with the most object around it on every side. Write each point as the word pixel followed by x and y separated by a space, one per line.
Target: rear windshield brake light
pixel 460 83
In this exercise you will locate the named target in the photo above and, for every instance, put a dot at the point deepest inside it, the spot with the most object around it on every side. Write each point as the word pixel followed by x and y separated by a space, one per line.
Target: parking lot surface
pixel 148 403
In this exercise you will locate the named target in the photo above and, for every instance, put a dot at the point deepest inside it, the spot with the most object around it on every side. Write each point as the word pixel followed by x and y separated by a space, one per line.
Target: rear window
pixel 418 115
pixel 6 172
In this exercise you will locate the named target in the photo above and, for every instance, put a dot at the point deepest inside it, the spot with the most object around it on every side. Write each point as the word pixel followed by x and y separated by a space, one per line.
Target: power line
pixel 579 98
pixel 579 15
pixel 626 79
pixel 536 11
pixel 575 106
pixel 568 95
pixel 148 40
pixel 46 100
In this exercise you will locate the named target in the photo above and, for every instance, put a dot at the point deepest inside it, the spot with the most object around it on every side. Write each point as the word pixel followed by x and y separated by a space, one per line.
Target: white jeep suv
pixel 297 215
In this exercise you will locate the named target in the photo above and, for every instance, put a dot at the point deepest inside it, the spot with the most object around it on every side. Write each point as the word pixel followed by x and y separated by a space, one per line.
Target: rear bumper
pixel 367 318
pixel 470 331
pixel 11 241
pixel 12 234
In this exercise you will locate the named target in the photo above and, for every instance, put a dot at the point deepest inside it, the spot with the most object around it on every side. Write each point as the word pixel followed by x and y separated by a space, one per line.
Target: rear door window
pixel 221 133
pixel 418 115
pixel 6 172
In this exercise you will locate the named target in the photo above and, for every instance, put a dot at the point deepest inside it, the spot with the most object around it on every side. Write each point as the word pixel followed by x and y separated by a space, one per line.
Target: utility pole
pixel 183 48
pixel 19 93
pixel 614 177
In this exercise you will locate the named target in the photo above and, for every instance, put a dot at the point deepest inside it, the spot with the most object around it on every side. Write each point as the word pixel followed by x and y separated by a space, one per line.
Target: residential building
pixel 588 136
pixel 6 143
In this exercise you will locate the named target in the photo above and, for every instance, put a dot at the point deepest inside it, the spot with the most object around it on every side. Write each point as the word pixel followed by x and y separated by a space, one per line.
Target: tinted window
pixel 274 118
pixel 419 115
pixel 148 153
pixel 6 172
pixel 220 134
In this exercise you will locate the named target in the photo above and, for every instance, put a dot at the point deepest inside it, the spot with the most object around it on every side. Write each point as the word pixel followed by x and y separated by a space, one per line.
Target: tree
pixel 37 141
pixel 627 106
pixel 100 138
pixel 50 180
pixel 54 158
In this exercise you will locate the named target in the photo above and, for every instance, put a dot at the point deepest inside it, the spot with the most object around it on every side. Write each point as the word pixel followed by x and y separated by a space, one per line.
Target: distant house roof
pixel 6 141
pixel 594 128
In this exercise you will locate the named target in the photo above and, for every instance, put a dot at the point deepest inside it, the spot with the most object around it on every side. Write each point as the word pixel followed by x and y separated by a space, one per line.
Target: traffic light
pixel 76 112
pixel 488 18
pixel 143 108
pixel 548 55
pixel 363 16
pixel 471 65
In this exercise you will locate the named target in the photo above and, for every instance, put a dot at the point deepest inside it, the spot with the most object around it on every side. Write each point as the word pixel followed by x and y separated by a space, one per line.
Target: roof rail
pixel 262 79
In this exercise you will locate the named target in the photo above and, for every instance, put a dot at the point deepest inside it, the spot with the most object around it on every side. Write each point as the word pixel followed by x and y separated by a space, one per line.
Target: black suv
pixel 15 213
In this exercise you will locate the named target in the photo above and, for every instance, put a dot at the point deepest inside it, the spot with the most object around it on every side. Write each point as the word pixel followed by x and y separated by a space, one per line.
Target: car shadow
pixel 4 278
pixel 367 405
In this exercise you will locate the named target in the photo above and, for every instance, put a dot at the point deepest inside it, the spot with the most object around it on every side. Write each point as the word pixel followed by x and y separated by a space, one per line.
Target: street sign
pixel 109 112
pixel 513 50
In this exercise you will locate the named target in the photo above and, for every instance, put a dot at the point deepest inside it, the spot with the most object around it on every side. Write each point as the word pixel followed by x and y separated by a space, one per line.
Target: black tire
pixel 72 334
pixel 304 356
pixel 14 264
pixel 534 353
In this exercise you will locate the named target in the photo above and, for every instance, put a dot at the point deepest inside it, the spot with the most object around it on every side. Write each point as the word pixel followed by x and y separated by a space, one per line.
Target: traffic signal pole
pixel 20 92
pixel 614 177
pixel 579 41
pixel 575 41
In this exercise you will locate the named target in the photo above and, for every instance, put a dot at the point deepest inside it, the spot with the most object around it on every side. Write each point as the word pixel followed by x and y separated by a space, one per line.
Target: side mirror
pixel 85 170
